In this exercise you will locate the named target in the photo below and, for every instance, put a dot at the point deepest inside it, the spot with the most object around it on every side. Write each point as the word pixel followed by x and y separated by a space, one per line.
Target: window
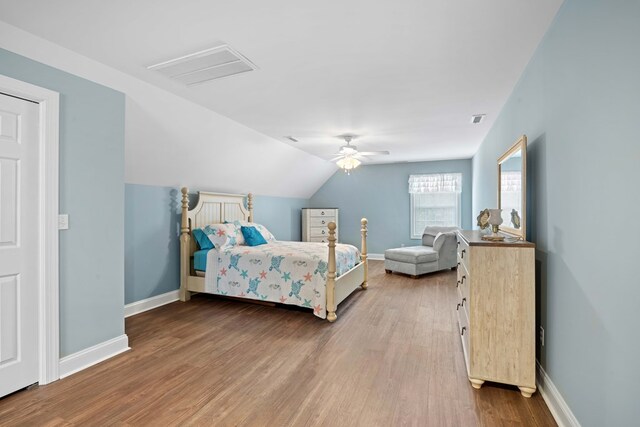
pixel 435 201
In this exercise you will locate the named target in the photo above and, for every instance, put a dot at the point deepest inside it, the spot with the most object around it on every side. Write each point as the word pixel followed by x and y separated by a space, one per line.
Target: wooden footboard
pixel 341 288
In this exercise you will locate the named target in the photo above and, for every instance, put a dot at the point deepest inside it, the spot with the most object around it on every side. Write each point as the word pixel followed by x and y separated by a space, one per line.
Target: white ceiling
pixel 407 75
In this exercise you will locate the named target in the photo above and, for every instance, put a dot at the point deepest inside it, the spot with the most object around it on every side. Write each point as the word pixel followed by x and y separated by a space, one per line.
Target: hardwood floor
pixel 393 358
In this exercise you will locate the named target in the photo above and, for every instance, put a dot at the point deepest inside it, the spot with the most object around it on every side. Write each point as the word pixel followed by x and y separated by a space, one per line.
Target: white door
pixel 19 245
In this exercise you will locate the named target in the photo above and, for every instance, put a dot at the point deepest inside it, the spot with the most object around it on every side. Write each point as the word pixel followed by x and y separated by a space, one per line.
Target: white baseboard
pixel 558 407
pixel 375 257
pixel 151 303
pixel 90 356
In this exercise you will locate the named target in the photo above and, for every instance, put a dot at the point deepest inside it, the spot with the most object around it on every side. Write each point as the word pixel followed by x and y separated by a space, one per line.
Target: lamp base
pixel 493 238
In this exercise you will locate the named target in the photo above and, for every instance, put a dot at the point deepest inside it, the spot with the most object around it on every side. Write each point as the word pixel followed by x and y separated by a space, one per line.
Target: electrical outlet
pixel 63 222
pixel 541 336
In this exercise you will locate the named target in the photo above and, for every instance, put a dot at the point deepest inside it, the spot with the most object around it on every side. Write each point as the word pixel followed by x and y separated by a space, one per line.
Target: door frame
pixel 48 164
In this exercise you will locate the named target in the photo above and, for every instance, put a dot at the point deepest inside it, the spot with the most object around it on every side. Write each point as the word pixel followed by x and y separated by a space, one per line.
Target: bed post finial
pixel 250 206
pixel 185 244
pixel 184 227
pixel 363 252
pixel 331 275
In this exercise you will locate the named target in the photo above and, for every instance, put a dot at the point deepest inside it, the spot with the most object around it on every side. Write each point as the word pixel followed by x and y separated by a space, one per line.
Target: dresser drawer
pixel 319 239
pixel 463 253
pixel 322 212
pixel 463 330
pixel 463 284
pixel 318 232
pixel 319 221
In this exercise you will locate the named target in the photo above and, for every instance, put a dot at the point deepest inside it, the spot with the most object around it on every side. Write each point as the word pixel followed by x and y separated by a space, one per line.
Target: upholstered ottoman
pixel 412 260
pixel 438 252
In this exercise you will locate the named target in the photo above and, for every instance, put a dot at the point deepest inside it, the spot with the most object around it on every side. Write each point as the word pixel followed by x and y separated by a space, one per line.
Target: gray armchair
pixel 437 252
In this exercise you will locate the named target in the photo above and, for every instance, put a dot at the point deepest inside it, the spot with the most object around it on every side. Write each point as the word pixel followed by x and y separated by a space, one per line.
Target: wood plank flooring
pixel 393 358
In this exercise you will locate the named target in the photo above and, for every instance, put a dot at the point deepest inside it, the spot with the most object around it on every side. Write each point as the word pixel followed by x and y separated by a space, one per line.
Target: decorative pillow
pixel 222 236
pixel 252 236
pixel 261 228
pixel 428 237
pixel 202 239
pixel 438 241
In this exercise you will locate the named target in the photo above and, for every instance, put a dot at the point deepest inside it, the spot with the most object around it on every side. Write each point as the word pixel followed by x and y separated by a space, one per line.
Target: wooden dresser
pixel 315 221
pixel 496 311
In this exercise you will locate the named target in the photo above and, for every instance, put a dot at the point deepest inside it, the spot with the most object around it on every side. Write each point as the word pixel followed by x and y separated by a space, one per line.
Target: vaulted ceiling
pixel 406 75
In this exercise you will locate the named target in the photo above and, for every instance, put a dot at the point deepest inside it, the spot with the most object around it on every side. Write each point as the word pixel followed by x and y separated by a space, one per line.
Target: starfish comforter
pixel 283 272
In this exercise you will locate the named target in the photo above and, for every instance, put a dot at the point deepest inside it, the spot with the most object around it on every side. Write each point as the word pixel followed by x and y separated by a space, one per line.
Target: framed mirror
pixel 512 189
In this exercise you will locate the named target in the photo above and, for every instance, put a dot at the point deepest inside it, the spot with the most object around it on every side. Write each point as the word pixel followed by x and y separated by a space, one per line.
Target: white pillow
pixel 222 236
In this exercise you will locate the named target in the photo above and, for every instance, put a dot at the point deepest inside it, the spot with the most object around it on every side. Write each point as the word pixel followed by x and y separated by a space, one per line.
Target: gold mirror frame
pixel 521 144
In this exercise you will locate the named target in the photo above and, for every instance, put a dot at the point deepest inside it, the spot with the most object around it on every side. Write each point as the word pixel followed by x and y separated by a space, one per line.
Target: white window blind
pixel 435 201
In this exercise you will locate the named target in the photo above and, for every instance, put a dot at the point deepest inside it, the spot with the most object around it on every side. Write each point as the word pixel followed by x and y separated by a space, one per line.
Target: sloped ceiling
pixel 407 75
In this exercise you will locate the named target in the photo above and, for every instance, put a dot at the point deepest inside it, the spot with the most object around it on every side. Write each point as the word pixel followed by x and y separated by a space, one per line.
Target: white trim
pixel 83 359
pixel 554 400
pixel 151 303
pixel 48 282
pixel 375 257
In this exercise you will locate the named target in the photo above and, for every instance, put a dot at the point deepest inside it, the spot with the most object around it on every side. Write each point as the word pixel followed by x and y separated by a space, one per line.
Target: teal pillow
pixel 202 239
pixel 252 236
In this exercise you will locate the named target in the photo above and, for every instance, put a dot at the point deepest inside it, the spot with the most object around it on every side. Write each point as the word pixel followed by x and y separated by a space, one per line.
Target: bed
pixel 316 276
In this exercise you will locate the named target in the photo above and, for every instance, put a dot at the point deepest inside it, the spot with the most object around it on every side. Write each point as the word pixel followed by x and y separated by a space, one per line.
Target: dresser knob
pixel 463 301
pixel 457 283
pixel 458 265
pixel 458 307
pixel 322 213
pixel 463 251
pixel 323 221
pixel 464 328
pixel 462 281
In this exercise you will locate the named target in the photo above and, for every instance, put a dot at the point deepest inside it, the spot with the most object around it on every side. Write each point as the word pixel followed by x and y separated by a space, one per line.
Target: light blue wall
pixel 380 193
pixel 92 193
pixel 578 102
pixel 281 215
pixel 152 227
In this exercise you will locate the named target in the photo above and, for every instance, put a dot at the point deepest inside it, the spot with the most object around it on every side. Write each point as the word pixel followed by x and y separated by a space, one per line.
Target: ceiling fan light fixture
pixel 348 163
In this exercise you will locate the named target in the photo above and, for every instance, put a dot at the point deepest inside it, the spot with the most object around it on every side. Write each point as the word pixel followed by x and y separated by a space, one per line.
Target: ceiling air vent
pixel 206 65
pixel 477 118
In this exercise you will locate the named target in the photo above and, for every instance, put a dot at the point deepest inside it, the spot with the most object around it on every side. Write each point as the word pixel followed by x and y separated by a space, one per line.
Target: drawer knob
pixel 462 281
pixel 463 301
pixel 322 213
pixel 458 265
pixel 458 283
pixel 463 251
pixel 458 307
pixel 464 328
pixel 323 221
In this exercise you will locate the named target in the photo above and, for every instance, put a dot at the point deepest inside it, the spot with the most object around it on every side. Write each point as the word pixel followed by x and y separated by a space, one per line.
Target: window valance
pixel 435 183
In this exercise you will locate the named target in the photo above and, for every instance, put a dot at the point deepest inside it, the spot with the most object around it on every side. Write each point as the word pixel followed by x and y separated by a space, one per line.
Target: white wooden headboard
pixel 214 208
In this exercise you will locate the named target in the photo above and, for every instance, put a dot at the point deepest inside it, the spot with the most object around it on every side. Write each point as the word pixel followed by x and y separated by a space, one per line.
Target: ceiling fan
pixel 349 158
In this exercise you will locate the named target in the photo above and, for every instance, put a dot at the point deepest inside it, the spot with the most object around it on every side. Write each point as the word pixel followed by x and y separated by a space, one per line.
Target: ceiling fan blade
pixel 373 153
pixel 336 158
